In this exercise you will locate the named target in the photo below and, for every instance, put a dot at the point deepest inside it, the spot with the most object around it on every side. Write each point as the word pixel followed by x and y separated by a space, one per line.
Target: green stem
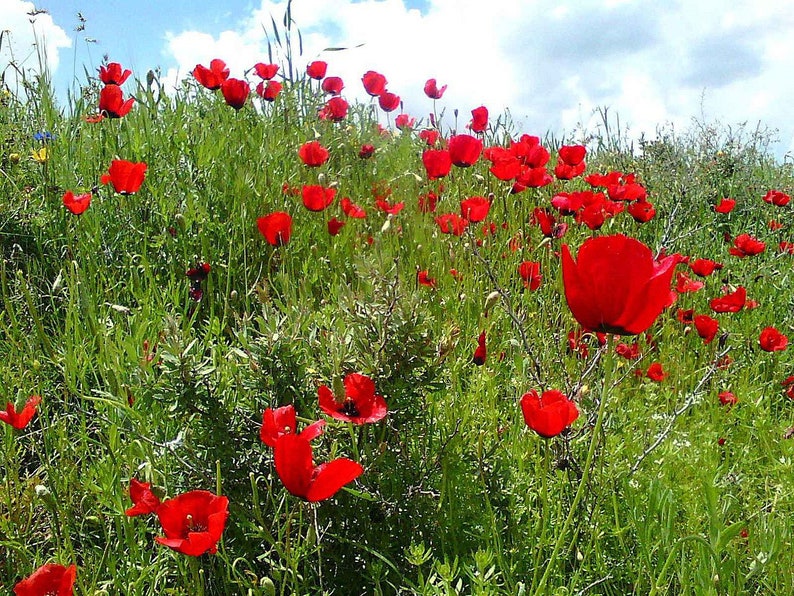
pixel 561 538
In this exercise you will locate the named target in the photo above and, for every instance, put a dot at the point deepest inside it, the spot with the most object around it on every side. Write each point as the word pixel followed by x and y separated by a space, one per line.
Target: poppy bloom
pixel 730 302
pixel 530 274
pixel 772 340
pixel 464 150
pixel 213 77
pixel 144 501
pixel 276 227
pixel 479 119
pixel 316 197
pixel 432 90
pixel 126 176
pixel 48 579
pixel 642 211
pixel 777 198
pixel 424 279
pixel 427 202
pixel 475 209
pixel 295 466
pixel 745 245
pixel 656 373
pixel 451 223
pixel 374 83
pixel 76 204
pixel 313 154
pixel 571 162
pixel 335 109
pixel 388 102
pixel 706 327
pixel 629 352
pixel 283 421
pixel 480 353
pixel 235 92
pixel 193 522
pixel 548 414
pixel 266 71
pixel 317 69
pixel 366 151
pixel 728 399
pixel 430 136
pixel 351 209
pixel 333 85
pixel 616 286
pixel 112 104
pixel 112 74
pixel 404 122
pixel 20 420
pixel 437 163
pixel 685 284
pixel 725 205
pixel 704 267
pixel 269 91
pixel 786 247
pixel 360 405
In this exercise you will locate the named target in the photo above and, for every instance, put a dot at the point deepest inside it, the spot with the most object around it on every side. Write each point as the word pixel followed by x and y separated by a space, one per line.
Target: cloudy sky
pixel 552 63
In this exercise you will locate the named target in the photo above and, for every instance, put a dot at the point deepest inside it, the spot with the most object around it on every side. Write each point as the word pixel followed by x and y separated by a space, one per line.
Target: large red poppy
pixel 313 154
pixel 388 102
pixel 706 328
pixel 437 163
pixel 548 414
pixel 335 109
pixel 283 421
pixel 126 176
pixel 266 71
pixel 193 522
pixel 276 227
pixel 479 119
pixel 360 405
pixel 51 578
pixel 464 150
pixel 316 197
pixel 295 466
pixel 113 74
pixel 212 78
pixel 317 69
pixel 745 245
pixel 112 104
pixel 615 285
pixel 730 302
pixel 374 83
pixel 269 91
pixel 772 340
pixel 144 501
pixel 475 209
pixel 235 92
pixel 76 204
pixel 21 419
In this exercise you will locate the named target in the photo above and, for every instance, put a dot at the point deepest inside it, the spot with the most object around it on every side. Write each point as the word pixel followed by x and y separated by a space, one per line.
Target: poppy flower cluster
pixel 235 91
pixel 111 98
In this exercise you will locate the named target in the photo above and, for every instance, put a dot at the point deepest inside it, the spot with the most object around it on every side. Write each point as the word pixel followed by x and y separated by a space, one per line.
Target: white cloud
pixel 28 40
pixel 551 63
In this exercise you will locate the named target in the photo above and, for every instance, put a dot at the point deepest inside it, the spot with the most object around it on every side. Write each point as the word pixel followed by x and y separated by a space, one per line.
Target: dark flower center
pixel 349 408
pixel 194 525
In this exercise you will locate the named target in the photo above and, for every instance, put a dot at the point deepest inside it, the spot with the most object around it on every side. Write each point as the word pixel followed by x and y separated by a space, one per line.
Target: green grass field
pixel 656 488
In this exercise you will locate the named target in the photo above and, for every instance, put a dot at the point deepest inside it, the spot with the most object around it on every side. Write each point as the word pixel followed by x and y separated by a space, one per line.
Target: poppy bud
pixel 490 300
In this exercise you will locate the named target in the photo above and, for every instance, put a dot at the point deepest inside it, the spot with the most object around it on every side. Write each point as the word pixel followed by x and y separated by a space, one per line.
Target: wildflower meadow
pixel 259 339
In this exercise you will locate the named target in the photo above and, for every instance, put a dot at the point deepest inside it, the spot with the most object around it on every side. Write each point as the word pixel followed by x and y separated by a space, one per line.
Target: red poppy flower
pixel 725 205
pixel 531 178
pixel 685 284
pixel 432 90
pixel 772 340
pixel 475 209
pixel 505 166
pixel 571 162
pixel 295 466
pixel 775 225
pixel 728 399
pixel 333 85
pixel 126 176
pixel 430 136
pixel 629 352
pixel 276 227
pixel 76 204
pixel 313 154
pixel 317 198
pixel 21 419
pixel 361 405
pixel 335 225
pixel 464 150
pixel 212 78
pixel 283 421
pixel 745 245
pixel 404 122
pixel 731 302
pixel 269 91
pixel 374 83
pixel 112 74
pixel 451 223
pixel 144 501
pixel 530 274
pixel 786 247
pixel 656 373
pixel 642 211
pixel 548 414
pixel 480 353
pixel 235 92
pixel 616 286
pixel 437 163
pixel 335 109
pixel 704 267
pixel 424 279
pixel 685 315
pixel 351 209
pixel 366 151
pixel 112 104
pixel 386 207
pixel 317 69
pixel 388 102
pixel 266 71
pixel 51 578
pixel 549 227
pixel 193 522
pixel 427 202
pixel 788 386
pixel 777 198
pixel 479 119
pixel 706 327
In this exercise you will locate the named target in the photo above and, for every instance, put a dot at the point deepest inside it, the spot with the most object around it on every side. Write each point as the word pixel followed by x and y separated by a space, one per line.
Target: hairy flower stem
pixel 609 362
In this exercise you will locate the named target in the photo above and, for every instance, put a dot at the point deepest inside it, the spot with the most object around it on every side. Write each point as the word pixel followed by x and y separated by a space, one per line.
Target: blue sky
pixel 552 63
